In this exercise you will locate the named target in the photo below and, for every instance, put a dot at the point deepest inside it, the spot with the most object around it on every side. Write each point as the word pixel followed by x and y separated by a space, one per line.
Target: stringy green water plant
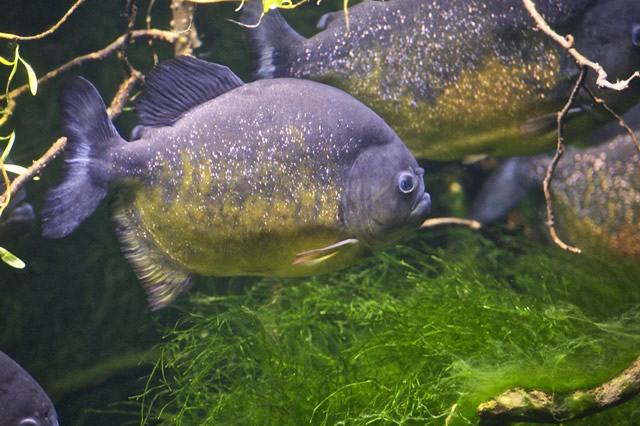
pixel 418 335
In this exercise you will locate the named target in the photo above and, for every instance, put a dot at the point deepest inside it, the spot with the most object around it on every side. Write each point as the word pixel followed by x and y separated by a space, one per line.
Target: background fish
pixel 280 177
pixel 22 401
pixel 459 78
pixel 17 218
pixel 596 191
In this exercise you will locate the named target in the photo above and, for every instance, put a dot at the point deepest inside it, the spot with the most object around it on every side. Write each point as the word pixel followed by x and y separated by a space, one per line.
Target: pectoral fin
pixel 313 257
pixel 546 123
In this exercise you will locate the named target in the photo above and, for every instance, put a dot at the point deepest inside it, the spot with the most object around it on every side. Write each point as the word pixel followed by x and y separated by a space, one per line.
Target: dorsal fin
pixel 178 85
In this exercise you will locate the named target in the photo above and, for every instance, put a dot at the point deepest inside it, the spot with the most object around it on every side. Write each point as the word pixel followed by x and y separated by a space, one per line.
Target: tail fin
pixel 504 189
pixel 90 134
pixel 271 41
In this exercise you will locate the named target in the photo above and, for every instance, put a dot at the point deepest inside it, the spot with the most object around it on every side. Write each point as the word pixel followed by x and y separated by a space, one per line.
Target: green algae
pixel 417 335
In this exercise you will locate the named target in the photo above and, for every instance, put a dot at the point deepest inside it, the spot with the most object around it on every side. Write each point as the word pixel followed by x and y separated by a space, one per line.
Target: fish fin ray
pixel 90 134
pixel 161 278
pixel 175 86
pixel 271 41
pixel 313 257
pixel 547 123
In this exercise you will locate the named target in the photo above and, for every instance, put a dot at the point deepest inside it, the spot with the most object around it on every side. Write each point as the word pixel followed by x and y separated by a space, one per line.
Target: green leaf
pixel 33 79
pixel 7 257
pixel 7 150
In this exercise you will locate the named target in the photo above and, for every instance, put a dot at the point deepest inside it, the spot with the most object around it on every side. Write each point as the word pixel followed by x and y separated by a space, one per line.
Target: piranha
pixel 23 402
pixel 281 177
pixel 595 191
pixel 462 78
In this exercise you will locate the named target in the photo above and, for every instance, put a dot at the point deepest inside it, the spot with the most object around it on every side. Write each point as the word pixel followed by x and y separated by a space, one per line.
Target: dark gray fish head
pixel 385 196
pixel 22 401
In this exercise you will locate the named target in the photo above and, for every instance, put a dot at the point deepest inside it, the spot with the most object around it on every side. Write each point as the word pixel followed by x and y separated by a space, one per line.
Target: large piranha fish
pixel 460 78
pixel 280 177
pixel 595 191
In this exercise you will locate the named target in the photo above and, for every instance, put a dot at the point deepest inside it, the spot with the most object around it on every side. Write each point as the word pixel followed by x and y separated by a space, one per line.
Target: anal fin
pixel 161 278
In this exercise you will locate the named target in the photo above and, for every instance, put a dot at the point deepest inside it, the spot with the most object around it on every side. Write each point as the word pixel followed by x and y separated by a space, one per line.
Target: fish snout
pixel 421 209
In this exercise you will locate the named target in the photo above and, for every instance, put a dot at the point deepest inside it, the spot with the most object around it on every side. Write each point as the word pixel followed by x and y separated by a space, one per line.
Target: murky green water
pixel 432 327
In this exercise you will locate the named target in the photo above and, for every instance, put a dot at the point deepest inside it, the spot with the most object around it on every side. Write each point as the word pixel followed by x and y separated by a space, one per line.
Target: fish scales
pixel 248 179
pixel 454 78
pixel 274 181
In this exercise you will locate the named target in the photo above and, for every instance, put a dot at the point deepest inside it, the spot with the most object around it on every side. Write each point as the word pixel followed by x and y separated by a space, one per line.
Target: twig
pixel 567 43
pixel 132 11
pixel 35 168
pixel 446 221
pixel 520 405
pixel 46 33
pixel 124 91
pixel 559 150
pixel 147 21
pixel 168 36
pixel 621 121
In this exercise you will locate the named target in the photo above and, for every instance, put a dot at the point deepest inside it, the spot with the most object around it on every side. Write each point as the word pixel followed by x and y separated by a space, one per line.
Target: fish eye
pixel 635 35
pixel 406 183
pixel 29 421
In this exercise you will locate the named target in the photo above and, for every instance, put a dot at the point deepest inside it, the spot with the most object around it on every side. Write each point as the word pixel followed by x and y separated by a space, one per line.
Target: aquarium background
pixel 418 335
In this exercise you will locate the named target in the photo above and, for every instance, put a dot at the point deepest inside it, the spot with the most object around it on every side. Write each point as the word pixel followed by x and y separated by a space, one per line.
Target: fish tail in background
pixel 271 41
pixel 506 187
pixel 90 134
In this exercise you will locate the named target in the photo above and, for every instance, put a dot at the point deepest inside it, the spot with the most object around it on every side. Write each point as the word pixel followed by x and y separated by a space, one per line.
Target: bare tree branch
pixel 559 151
pixel 520 405
pixel 168 36
pixel 620 120
pixel 49 31
pixel 448 221
pixel 567 43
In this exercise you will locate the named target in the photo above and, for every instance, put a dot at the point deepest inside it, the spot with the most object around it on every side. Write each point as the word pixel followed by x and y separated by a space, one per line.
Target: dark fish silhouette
pixel 17 218
pixel 281 177
pixel 460 78
pixel 23 402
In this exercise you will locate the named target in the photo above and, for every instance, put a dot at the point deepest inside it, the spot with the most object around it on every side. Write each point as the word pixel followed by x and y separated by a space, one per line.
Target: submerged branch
pixel 567 43
pixel 620 120
pixel 521 405
pixel 49 31
pixel 168 36
pixel 559 151
pixel 447 221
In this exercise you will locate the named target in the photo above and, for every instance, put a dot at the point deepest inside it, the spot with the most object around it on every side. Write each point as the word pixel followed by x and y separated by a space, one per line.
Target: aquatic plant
pixel 419 335
pixel 5 111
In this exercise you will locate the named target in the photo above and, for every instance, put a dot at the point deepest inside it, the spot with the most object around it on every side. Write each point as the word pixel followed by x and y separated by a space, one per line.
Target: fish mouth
pixel 421 209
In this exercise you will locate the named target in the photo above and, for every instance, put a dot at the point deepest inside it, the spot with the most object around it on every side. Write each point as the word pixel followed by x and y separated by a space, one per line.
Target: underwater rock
pixel 461 78
pixel 23 402
pixel 596 191
pixel 229 179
